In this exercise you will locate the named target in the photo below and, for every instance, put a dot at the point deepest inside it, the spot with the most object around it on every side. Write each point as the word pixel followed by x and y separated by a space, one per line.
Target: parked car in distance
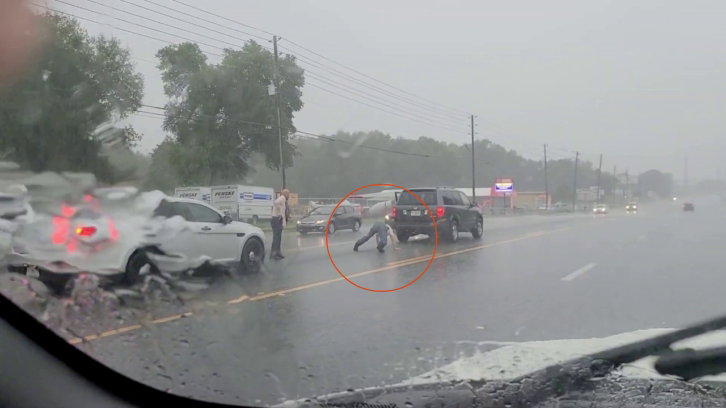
pixel 688 207
pixel 345 217
pixel 451 210
pixel 600 209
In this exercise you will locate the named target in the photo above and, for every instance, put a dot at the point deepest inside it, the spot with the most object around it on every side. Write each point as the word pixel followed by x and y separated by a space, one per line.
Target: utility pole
pixel 599 176
pixel 640 192
pixel 277 100
pixel 547 190
pixel 626 190
pixel 473 168
pixel 574 196
pixel 615 187
pixel 685 175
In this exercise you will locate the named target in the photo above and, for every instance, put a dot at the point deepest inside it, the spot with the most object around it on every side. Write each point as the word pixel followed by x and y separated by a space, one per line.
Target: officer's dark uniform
pixel 381 229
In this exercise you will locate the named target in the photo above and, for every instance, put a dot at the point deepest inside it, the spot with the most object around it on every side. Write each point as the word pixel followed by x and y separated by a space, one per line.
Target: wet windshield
pixel 158 160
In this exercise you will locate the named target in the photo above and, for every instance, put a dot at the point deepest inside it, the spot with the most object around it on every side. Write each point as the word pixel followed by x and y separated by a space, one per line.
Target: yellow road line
pixel 390 266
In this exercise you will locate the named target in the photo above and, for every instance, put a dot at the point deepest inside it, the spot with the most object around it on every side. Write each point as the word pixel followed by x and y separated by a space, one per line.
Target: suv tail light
pixel 393 212
pixel 440 212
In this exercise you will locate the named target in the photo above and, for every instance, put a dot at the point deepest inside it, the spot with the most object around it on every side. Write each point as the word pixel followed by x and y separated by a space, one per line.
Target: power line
pixel 139 25
pixel 193 16
pixel 335 72
pixel 219 32
pixel 308 134
pixel 419 120
pixel 235 45
pixel 162 23
pixel 333 84
pixel 374 79
pixel 222 17
pixel 114 27
pixel 291 42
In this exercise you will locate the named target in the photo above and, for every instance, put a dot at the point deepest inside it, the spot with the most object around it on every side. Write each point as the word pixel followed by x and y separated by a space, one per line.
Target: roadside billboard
pixel 504 185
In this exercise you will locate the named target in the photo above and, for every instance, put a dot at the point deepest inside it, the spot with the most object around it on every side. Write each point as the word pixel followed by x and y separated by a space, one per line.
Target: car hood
pixel 519 359
pixel 513 360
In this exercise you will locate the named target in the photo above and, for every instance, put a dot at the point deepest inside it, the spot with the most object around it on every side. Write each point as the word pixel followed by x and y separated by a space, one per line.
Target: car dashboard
pixel 42 370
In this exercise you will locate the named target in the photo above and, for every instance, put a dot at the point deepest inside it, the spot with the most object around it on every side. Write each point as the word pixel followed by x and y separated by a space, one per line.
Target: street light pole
pixel 473 167
pixel 599 176
pixel 547 190
pixel 277 102
pixel 574 196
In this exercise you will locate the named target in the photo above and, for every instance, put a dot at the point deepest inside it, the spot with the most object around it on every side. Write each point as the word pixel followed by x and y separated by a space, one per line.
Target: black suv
pixel 451 209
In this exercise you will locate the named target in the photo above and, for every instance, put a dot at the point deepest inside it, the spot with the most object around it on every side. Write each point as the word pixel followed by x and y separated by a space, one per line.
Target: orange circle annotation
pixel 381 290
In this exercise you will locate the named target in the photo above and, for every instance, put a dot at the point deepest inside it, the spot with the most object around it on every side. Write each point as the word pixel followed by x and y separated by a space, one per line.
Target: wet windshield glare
pixel 158 160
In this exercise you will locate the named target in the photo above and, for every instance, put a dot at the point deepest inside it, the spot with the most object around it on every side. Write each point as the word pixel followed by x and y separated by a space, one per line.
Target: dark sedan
pixel 688 207
pixel 345 217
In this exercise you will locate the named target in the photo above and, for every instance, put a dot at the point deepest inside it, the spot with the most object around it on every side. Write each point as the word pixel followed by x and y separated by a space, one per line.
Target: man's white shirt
pixel 278 208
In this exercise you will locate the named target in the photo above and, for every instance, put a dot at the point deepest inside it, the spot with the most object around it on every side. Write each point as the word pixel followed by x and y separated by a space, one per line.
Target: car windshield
pixel 428 197
pixel 128 128
pixel 322 211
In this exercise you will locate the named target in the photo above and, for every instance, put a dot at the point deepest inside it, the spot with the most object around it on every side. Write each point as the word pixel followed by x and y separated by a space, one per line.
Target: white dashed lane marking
pixel 579 272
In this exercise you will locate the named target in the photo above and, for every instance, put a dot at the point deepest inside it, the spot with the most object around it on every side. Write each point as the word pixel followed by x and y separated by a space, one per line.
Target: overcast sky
pixel 642 82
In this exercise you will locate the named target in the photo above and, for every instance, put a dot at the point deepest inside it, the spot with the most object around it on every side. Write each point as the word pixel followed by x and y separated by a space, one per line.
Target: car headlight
pixel 298 222
pixel 388 217
pixel 319 221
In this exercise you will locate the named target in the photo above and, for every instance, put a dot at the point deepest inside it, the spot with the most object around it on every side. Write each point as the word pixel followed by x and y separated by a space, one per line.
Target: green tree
pixel 326 168
pixel 162 174
pixel 221 114
pixel 58 117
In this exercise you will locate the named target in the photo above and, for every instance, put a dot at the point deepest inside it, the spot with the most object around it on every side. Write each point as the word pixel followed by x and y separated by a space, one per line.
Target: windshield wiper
pixel 690 364
pixel 573 375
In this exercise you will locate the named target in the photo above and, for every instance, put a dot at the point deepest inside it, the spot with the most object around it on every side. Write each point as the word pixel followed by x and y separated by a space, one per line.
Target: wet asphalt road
pixel 298 329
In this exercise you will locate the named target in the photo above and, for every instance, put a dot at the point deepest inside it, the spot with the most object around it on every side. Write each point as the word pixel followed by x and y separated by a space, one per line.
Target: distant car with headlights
pixel 345 217
pixel 600 209
pixel 688 207
pixel 631 208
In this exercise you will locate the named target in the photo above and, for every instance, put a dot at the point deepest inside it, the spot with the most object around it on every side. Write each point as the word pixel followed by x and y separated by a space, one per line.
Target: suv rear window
pixel 427 196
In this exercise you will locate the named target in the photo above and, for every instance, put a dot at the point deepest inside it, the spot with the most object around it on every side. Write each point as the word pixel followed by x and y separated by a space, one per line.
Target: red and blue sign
pixel 504 186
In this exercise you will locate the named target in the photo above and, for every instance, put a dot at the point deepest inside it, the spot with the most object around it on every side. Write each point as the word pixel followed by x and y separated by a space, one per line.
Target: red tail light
pixel 440 211
pixel 85 231
pixel 393 212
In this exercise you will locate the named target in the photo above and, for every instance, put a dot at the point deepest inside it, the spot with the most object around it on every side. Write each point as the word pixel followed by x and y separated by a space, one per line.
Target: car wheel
pixel 331 228
pixel 56 282
pixel 402 235
pixel 454 232
pixel 478 231
pixel 255 220
pixel 253 253
pixel 133 268
pixel 356 226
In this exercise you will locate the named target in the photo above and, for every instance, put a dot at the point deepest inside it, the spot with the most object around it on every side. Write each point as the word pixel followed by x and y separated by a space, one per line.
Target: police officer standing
pixel 278 222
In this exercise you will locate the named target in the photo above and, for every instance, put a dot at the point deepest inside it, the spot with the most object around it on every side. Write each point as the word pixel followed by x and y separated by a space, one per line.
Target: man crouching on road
pixel 382 231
